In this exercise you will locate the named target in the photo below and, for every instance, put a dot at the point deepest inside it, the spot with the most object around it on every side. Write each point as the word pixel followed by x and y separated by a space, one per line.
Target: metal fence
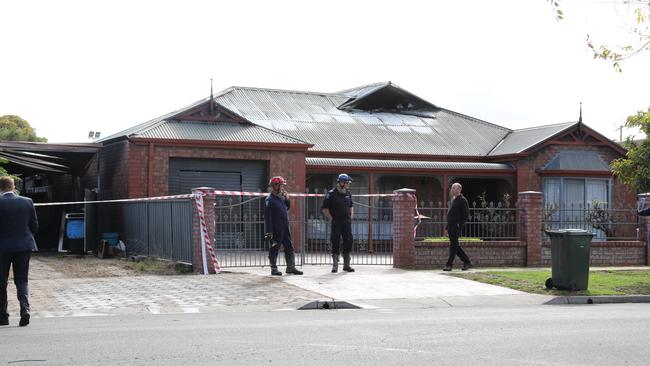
pixel 605 223
pixel 492 222
pixel 239 231
pixel 158 228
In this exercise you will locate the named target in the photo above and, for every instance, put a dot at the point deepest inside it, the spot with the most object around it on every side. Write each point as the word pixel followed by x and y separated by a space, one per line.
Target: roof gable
pixel 577 160
pixel 209 111
pixel 528 140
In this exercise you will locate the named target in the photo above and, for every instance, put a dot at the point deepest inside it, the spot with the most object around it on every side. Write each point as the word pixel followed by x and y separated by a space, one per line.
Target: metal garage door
pixel 230 175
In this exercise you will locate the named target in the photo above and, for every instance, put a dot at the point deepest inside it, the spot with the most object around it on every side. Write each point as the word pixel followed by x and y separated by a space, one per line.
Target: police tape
pixel 192 195
pixel 212 193
pixel 418 217
pixel 159 198
pixel 206 243
pixel 198 195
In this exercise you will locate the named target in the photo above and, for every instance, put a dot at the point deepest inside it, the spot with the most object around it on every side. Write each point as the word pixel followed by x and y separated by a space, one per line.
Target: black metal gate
pixel 239 231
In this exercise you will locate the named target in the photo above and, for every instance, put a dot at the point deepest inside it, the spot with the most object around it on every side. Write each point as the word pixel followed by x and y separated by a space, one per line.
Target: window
pixel 567 201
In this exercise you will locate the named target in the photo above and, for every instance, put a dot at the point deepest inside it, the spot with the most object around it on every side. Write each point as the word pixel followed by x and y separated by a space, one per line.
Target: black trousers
pixel 341 229
pixel 455 249
pixel 20 263
pixel 275 248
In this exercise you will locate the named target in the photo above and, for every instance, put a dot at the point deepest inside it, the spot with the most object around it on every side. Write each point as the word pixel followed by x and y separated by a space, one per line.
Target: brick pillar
pixel 644 226
pixel 197 247
pixel 403 225
pixel 529 215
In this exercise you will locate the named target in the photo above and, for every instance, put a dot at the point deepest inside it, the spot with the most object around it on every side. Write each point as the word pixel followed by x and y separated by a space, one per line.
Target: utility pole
pixel 620 135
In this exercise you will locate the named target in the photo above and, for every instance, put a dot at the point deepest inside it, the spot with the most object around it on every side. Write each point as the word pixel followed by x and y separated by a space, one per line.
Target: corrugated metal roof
pixel 520 140
pixel 404 164
pixel 577 160
pixel 315 118
pixel 143 126
pixel 223 131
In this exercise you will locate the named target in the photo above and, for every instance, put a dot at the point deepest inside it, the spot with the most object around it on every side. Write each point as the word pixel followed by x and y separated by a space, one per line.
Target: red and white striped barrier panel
pixel 206 243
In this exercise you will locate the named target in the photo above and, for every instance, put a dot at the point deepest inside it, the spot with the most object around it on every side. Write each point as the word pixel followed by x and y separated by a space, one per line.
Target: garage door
pixel 230 175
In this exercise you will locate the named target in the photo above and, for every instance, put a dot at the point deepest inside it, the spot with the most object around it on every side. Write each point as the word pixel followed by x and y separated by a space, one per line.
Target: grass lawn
pixel 619 282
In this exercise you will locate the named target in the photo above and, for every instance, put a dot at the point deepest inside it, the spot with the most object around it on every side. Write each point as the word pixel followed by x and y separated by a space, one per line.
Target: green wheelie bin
pixel 570 254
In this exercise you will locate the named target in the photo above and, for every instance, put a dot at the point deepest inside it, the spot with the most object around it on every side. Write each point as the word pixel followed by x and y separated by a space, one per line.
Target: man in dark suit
pixel 456 218
pixel 18 224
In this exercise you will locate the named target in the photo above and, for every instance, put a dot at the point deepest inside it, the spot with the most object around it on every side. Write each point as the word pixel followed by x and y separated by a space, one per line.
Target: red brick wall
pixel 529 180
pixel 609 253
pixel 138 170
pixel 484 254
pixel 529 215
pixel 403 224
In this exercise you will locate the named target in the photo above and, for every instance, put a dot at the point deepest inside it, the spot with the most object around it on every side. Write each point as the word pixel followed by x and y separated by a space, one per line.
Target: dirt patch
pixel 50 266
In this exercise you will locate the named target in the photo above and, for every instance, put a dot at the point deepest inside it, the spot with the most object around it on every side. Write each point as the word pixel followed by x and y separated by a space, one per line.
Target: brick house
pixel 384 136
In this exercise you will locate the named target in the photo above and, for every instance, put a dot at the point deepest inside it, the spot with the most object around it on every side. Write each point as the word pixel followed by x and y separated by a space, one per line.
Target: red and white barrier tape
pixel 159 198
pixel 205 237
pixel 417 214
pixel 290 194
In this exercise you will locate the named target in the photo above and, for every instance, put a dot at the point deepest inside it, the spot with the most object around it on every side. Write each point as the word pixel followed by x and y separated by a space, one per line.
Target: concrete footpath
pixel 385 286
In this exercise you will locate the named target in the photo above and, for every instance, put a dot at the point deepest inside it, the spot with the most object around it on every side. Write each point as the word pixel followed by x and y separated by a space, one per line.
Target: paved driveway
pixel 54 293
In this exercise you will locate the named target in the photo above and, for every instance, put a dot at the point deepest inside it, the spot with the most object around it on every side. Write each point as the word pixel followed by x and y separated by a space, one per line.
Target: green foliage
pixel 634 168
pixel 444 238
pixel 14 128
pixel 639 31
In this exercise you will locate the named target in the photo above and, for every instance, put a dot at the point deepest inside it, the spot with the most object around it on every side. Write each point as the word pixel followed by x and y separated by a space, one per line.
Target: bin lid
pixel 580 232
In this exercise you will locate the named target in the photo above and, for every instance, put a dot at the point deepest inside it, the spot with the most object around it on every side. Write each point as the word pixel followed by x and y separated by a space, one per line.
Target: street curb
pixel 622 299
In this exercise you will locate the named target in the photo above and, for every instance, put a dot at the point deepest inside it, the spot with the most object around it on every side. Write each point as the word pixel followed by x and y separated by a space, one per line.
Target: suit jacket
pixel 18 224
pixel 458 213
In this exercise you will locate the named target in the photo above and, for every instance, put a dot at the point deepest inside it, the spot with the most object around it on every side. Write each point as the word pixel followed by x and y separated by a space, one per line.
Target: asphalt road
pixel 524 335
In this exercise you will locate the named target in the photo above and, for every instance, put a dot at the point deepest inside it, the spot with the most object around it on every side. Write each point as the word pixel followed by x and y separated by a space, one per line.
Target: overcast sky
pixel 69 67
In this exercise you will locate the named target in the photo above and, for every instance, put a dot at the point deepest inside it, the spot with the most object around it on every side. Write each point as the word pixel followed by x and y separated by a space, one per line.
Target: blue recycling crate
pixel 75 229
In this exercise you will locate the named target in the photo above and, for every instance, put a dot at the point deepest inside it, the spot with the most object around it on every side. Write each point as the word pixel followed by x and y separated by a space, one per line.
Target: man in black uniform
pixel 456 218
pixel 337 207
pixel 276 222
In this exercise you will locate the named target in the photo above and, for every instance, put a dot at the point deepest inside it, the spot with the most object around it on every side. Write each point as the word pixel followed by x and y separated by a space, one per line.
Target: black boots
pixel 335 263
pixel 274 266
pixel 291 264
pixel 346 263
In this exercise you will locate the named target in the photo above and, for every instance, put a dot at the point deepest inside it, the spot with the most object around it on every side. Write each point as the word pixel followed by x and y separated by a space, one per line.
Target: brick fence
pixel 529 251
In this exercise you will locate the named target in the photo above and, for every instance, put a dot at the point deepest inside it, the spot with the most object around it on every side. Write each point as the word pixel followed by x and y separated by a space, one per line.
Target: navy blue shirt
pixel 276 218
pixel 339 204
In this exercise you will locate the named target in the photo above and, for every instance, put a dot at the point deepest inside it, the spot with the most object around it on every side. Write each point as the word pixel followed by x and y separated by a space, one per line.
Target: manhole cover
pixel 328 305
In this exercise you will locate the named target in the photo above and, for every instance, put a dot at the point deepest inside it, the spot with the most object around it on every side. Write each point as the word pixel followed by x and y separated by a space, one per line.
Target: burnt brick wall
pixel 113 164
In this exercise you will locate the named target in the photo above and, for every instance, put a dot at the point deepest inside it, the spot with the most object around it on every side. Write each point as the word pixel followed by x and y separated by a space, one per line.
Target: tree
pixel 14 128
pixel 639 29
pixel 634 168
